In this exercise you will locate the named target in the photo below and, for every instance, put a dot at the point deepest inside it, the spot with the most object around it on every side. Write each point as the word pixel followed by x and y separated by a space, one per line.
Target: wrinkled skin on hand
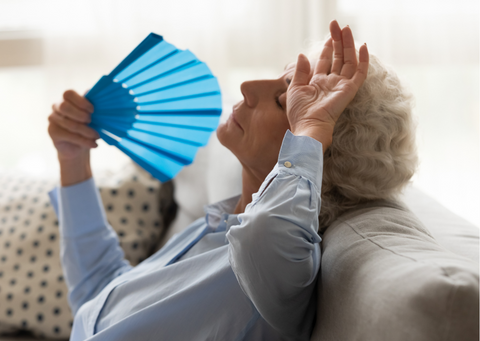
pixel 316 98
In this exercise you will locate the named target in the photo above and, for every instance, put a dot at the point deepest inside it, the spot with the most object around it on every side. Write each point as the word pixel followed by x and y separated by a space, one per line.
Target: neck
pixel 251 182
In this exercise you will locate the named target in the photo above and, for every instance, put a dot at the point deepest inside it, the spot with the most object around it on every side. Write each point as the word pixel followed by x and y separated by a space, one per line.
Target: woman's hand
pixel 72 138
pixel 68 126
pixel 314 102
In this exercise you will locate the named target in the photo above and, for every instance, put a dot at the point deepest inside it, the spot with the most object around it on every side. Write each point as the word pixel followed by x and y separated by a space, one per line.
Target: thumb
pixel 302 71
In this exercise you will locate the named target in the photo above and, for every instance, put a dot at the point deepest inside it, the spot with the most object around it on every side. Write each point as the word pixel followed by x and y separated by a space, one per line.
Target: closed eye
pixel 278 102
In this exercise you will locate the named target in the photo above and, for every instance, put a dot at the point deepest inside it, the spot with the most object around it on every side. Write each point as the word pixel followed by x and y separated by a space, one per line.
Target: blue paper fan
pixel 158 106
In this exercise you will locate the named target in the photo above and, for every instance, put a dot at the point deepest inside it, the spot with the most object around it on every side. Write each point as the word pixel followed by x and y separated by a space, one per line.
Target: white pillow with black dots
pixel 33 294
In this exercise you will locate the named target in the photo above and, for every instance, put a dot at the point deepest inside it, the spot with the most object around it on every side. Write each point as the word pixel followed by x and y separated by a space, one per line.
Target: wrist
pixel 74 171
pixel 323 134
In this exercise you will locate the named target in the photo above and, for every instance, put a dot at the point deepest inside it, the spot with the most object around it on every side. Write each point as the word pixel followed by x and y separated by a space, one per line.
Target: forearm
pixel 90 253
pixel 74 171
pixel 275 254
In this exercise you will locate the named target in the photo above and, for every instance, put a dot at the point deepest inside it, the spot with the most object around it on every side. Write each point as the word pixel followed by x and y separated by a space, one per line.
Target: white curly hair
pixel 373 153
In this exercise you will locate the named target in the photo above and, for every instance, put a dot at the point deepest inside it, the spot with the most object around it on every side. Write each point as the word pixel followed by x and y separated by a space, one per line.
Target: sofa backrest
pixel 384 277
pixel 449 230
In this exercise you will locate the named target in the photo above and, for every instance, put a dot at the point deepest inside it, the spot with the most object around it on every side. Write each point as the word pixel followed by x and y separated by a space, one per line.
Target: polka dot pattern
pixel 33 293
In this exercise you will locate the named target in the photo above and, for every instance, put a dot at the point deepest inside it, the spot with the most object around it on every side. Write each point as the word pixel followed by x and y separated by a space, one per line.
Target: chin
pixel 220 132
pixel 226 138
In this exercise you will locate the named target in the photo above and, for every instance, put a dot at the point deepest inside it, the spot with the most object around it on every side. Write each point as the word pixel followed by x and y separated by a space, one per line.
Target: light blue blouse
pixel 249 276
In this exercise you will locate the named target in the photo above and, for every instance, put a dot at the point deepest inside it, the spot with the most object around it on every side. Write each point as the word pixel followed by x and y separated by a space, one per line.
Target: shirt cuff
pixel 79 208
pixel 302 156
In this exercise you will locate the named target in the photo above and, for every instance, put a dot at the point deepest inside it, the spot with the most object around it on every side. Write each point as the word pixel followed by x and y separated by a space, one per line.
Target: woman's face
pixel 254 131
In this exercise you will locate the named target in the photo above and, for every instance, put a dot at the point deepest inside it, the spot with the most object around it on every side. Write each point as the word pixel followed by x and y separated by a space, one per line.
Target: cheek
pixel 279 129
pixel 272 137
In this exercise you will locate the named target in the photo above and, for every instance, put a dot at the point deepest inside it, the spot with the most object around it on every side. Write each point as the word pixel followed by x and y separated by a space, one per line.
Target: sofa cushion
pixel 33 294
pixel 384 277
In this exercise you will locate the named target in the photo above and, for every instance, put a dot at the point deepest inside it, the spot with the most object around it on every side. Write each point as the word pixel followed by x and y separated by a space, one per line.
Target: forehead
pixel 288 70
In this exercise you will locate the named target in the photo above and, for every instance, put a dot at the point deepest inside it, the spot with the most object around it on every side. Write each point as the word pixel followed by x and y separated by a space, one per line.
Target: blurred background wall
pixel 48 46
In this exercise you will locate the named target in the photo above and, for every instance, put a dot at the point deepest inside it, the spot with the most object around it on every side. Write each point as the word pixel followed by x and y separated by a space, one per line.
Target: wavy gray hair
pixel 373 153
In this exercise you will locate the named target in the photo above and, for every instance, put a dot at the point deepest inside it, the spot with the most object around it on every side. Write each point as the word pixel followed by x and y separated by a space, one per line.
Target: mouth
pixel 233 116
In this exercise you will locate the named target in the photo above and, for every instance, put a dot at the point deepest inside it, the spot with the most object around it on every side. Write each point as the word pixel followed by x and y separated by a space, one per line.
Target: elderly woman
pixel 246 271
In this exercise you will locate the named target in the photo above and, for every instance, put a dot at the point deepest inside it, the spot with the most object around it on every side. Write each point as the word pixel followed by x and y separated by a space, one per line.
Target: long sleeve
pixel 90 253
pixel 275 252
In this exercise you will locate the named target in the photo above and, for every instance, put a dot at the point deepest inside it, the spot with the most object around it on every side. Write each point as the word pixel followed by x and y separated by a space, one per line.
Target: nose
pixel 254 91
pixel 250 92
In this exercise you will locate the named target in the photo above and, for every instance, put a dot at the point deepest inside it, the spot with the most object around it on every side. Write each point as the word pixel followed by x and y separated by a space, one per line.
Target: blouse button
pixel 287 164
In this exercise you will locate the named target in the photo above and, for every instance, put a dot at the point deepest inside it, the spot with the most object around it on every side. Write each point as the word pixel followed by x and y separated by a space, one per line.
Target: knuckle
pixel 63 107
pixel 74 127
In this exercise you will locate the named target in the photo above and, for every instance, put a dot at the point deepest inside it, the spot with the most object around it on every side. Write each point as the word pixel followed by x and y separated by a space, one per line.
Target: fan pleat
pixel 184 152
pixel 200 87
pixel 198 121
pixel 171 64
pixel 155 55
pixel 158 106
pixel 190 73
pixel 188 135
pixel 150 160
pixel 207 102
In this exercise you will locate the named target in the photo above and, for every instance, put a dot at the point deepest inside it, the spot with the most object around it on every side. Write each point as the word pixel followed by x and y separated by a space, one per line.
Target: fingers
pixel 324 64
pixel 74 106
pixel 342 45
pixel 73 126
pixel 59 134
pixel 362 68
pixel 336 33
pixel 302 71
pixel 77 100
pixel 349 55
pixel 69 110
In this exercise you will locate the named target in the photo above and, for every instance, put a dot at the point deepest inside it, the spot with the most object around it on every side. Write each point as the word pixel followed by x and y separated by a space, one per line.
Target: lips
pixel 235 119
